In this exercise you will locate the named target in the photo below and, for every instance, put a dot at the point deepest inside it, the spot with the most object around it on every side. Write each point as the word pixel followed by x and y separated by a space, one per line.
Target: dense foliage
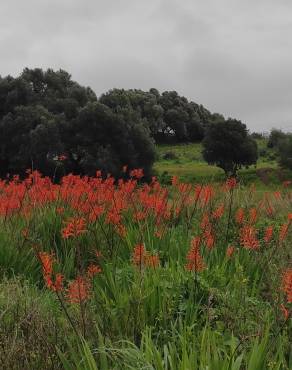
pixel 228 146
pixel 170 117
pixel 52 124
pixel 95 275
pixel 45 116
pixel 281 142
pixel 285 152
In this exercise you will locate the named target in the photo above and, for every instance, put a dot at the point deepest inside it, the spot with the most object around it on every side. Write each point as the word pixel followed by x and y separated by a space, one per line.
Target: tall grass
pixel 103 275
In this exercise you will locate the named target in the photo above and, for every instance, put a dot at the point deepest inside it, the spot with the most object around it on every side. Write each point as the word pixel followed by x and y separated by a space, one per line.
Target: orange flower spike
pixel 49 282
pixel 218 213
pixel 205 223
pixel 78 290
pixel 269 211
pixel 195 260
pixel 285 312
pixel 74 227
pixel 47 262
pixel 248 238
pixel 58 285
pixel 230 251
pixel 252 215
pixel 287 284
pixel 210 241
pixel 198 191
pixel 239 216
pixel 283 232
pixel 268 234
pixel 139 255
pixel 207 194
pixel 152 261
pixel 174 181
pixel 93 270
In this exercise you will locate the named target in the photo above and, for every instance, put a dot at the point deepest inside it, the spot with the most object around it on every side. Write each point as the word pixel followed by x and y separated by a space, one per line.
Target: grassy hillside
pixel 186 161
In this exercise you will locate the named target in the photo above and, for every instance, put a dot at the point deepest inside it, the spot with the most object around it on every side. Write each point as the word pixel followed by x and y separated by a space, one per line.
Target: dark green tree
pixel 228 146
pixel 285 151
pixel 275 137
pixel 44 114
pixel 105 140
pixel 170 117
pixel 29 138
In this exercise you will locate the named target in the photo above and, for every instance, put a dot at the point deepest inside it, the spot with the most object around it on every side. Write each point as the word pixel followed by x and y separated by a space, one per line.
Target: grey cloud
pixel 233 56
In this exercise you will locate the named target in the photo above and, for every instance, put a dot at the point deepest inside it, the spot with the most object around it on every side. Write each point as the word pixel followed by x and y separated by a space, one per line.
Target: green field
pixel 188 164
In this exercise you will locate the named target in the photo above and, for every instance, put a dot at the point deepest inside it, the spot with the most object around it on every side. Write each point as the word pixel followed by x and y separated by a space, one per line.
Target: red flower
pixel 58 285
pixel 248 237
pixel 287 284
pixel 239 216
pixel 47 262
pixel 152 261
pixel 74 227
pixel 283 232
pixel 218 213
pixel 195 260
pixel 252 215
pixel 78 290
pixel 137 173
pixel 284 311
pixel 231 183
pixel 139 255
pixel 92 270
pixel 174 181
pixel 205 223
pixel 209 239
pixel 229 251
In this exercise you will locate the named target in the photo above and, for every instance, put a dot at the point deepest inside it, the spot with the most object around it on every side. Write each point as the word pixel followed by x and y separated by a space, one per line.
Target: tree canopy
pixel 228 146
pixel 285 152
pixel 170 117
pixel 44 114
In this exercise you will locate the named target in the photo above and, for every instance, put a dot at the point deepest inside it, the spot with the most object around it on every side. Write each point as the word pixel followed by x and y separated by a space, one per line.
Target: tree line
pixel 49 121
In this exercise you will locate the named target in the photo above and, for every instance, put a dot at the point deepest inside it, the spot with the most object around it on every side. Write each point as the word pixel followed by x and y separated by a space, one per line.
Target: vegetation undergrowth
pixel 98 274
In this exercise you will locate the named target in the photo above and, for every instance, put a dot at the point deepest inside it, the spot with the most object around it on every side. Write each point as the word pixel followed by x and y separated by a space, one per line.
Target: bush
pixel 169 155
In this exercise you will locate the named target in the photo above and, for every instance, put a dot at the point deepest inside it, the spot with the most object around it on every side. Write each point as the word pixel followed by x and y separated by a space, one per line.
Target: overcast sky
pixel 232 56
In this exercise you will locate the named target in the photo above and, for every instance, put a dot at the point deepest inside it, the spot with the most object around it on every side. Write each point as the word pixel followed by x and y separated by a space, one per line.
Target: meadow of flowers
pixel 105 274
